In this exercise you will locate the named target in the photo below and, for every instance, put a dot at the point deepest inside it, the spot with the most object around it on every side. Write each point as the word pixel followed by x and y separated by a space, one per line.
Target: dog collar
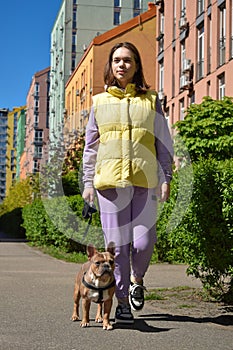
pixel 99 289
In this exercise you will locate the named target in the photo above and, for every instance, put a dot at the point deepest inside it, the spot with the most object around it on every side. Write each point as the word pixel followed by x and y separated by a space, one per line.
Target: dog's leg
pixel 107 309
pixel 75 315
pixel 99 318
pixel 85 309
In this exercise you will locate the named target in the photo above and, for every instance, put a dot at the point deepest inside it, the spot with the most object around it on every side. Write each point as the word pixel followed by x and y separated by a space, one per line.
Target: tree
pixel 207 130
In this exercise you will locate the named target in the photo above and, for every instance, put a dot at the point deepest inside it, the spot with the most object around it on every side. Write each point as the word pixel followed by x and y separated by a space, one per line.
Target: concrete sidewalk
pixel 36 306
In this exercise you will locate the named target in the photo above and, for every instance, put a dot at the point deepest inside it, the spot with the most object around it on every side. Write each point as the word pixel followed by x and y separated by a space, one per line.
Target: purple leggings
pixel 128 218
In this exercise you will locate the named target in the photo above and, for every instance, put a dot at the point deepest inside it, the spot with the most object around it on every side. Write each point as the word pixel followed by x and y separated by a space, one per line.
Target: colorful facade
pixel 37 124
pixel 3 151
pixel 87 79
pixel 20 141
pixel 194 53
pixel 77 23
pixel 11 148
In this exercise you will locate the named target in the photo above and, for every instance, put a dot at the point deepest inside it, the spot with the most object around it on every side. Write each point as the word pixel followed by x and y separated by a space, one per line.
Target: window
pixel 182 109
pixel 208 88
pixel 200 58
pixel 209 43
pixel 136 8
pixel 183 8
pixel 39 136
pixel 222 35
pixel 160 38
pixel 182 57
pixel 117 12
pixel 174 20
pixel 231 44
pixel 35 166
pixel 200 7
pixel 36 89
pixel 36 120
pixel 221 86
pixel 173 71
pixel 161 79
pixel 38 151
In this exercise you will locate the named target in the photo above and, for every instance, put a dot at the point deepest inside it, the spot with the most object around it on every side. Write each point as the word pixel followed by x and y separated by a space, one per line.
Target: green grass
pixel 74 257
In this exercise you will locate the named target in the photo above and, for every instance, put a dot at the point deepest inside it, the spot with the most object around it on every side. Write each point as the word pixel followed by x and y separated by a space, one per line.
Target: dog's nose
pixel 106 266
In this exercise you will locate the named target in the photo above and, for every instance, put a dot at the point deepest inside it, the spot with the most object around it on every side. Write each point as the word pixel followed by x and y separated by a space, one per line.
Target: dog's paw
pixel 84 324
pixel 107 327
pixel 98 319
pixel 74 318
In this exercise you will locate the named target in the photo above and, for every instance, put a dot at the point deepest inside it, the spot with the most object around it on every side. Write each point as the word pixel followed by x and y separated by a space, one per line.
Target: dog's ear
pixel 90 251
pixel 111 248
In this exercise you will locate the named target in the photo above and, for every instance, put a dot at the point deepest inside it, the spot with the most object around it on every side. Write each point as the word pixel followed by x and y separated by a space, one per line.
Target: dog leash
pixel 87 212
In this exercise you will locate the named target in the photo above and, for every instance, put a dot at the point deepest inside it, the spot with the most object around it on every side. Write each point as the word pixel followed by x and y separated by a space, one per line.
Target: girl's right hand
pixel 89 194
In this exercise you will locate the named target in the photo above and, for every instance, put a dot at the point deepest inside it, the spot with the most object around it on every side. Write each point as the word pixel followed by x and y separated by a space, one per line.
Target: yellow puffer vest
pixel 126 154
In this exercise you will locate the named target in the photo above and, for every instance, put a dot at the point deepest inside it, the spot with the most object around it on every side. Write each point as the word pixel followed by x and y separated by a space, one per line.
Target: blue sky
pixel 24 46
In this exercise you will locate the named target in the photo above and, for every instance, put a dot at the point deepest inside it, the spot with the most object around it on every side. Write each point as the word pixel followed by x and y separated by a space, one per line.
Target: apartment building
pixel 11 154
pixel 87 79
pixel 3 150
pixel 77 23
pixel 37 124
pixel 194 53
pixel 20 139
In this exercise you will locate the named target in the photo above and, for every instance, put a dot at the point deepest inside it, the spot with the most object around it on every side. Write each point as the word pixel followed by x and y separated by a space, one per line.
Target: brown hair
pixel 138 78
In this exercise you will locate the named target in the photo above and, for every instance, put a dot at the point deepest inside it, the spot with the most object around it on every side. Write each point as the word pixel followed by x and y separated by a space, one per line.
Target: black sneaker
pixel 123 314
pixel 136 296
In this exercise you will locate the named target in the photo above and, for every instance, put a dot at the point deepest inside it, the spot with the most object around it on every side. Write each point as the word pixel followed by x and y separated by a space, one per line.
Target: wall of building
pixel 3 150
pixel 87 80
pixel 37 123
pixel 77 23
pixel 11 148
pixel 193 38
pixel 20 140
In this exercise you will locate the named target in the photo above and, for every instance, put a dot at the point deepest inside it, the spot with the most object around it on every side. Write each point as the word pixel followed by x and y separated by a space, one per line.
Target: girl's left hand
pixel 164 192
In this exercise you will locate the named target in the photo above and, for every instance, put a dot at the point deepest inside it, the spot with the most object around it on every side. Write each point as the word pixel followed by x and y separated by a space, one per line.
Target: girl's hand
pixel 164 192
pixel 89 194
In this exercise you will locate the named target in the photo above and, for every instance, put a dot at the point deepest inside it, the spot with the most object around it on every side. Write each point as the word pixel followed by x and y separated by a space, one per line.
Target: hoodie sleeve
pixel 90 150
pixel 163 145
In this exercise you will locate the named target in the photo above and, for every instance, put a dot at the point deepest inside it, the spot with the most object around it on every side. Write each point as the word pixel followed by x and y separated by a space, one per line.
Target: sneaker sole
pixel 135 309
pixel 124 321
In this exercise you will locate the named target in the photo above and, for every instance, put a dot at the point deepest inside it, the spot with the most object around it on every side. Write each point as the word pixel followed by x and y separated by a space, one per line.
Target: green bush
pixel 204 237
pixel 70 183
pixel 58 222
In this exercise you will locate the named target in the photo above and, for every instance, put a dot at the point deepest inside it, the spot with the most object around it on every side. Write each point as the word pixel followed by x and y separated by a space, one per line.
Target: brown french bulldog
pixel 95 282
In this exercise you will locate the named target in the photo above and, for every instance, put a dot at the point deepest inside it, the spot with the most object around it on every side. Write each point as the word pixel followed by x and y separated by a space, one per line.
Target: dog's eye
pixel 111 262
pixel 97 263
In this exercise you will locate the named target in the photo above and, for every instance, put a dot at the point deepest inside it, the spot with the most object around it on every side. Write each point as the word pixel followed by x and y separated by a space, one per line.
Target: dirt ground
pixel 191 305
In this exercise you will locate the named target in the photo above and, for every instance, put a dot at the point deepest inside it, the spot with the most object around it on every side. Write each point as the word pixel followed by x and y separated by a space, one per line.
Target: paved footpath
pixel 36 305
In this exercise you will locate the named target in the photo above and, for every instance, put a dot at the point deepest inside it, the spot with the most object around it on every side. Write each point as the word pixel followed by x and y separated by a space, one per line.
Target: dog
pixel 95 282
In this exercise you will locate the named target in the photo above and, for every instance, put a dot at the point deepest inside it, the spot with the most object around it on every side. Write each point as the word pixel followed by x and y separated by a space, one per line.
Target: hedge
pixel 204 237
pixel 58 222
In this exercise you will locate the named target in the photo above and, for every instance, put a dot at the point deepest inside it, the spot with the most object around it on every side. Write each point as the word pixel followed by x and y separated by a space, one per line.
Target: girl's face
pixel 123 66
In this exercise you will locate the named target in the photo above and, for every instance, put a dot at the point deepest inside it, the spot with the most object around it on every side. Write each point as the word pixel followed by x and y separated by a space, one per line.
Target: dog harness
pixel 98 289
